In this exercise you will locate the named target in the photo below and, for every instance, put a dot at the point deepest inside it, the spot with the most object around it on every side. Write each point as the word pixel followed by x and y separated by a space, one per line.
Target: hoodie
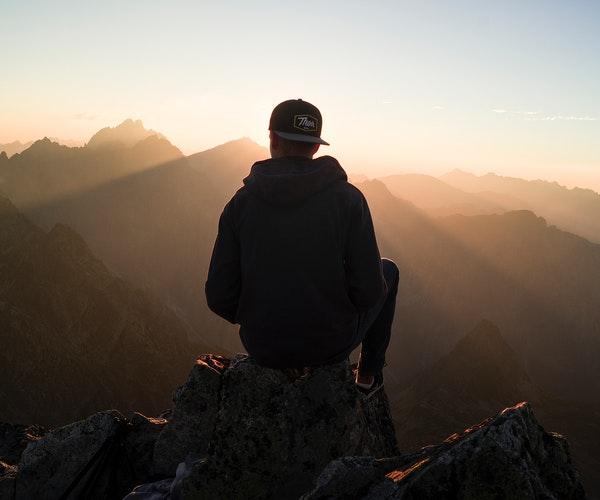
pixel 295 262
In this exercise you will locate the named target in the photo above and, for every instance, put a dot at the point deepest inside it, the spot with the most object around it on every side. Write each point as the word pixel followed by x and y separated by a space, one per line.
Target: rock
pixel 73 461
pixel 14 438
pixel 239 430
pixel 347 477
pixel 192 419
pixel 103 456
pixel 139 445
pixel 8 475
pixel 275 430
pixel 509 457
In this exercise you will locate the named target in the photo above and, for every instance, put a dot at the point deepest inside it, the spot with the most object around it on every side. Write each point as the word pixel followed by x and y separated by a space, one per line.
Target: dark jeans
pixel 375 324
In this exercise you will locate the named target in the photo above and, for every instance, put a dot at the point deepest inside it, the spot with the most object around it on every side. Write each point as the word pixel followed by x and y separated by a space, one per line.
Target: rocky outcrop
pixel 275 430
pixel 14 439
pixel 101 457
pixel 192 419
pixel 509 457
pixel 58 464
pixel 239 430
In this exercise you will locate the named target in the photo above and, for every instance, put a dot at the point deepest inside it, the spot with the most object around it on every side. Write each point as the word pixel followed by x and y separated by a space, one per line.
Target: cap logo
pixel 305 123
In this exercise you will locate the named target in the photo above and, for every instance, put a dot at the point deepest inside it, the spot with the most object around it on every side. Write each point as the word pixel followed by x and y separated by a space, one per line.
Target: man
pixel 296 262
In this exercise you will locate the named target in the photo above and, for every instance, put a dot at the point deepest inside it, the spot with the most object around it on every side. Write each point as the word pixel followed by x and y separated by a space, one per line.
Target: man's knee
pixel 390 272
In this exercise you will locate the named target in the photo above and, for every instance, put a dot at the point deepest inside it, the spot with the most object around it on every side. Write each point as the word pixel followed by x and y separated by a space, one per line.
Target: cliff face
pixel 238 430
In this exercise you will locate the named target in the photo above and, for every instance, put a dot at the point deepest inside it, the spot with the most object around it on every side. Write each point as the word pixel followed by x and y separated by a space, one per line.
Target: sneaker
pixel 375 387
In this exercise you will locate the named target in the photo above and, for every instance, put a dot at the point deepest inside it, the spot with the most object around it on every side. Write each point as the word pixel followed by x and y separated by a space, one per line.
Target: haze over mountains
pixel 75 338
pixel 478 377
pixel 576 210
pixel 467 250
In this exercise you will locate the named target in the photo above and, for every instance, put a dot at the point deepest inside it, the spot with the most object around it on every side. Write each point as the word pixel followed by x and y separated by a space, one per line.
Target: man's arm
pixel 223 285
pixel 363 262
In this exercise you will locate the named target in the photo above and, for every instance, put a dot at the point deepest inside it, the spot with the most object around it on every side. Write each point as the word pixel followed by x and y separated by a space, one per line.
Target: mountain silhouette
pixel 75 338
pixel 226 165
pixel 147 214
pixel 575 210
pixel 438 198
pixel 15 147
pixel 125 135
pixel 539 284
pixel 477 378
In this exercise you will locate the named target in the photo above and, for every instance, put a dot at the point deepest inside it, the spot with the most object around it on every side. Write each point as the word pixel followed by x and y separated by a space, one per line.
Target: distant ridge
pixel 227 164
pixel 573 209
pixel 440 198
pixel 15 147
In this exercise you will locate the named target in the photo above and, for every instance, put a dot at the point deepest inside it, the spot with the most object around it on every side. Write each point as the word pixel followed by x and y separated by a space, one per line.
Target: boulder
pixel 71 461
pixel 509 457
pixel 8 478
pixel 14 438
pixel 103 456
pixel 275 430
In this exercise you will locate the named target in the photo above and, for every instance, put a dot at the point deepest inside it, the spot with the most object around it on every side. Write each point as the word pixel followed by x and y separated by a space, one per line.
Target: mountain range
pixel 575 210
pixel 465 252
pixel 539 284
pixel 12 148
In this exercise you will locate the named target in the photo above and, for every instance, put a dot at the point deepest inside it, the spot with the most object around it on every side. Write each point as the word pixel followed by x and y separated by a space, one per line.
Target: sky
pixel 423 86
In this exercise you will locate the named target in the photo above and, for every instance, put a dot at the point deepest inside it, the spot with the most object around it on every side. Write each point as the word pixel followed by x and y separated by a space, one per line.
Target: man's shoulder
pixel 238 197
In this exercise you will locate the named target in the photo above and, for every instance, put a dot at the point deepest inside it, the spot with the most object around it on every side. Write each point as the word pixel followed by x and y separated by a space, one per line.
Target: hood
pixel 292 179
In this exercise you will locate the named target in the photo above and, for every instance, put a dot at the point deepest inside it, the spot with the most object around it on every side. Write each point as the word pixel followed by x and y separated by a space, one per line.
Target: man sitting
pixel 296 261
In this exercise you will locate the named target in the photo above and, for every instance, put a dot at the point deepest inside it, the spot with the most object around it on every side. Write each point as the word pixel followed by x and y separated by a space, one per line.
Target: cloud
pixel 567 118
pixel 537 116
pixel 438 108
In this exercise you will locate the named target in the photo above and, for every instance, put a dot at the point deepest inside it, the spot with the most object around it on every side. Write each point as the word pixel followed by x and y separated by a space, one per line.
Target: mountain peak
pixel 125 135
pixel 244 146
pixel 485 345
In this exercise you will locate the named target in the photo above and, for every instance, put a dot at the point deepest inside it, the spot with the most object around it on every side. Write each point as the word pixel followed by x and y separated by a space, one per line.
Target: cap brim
pixel 301 138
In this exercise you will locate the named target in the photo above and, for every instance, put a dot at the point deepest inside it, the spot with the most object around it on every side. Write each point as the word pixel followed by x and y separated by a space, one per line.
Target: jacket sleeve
pixel 363 262
pixel 223 284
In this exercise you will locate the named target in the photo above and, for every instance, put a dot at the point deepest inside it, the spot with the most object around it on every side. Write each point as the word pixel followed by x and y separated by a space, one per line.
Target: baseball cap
pixel 297 120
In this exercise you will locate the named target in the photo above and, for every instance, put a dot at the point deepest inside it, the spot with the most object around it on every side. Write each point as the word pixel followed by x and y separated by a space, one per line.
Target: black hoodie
pixel 294 262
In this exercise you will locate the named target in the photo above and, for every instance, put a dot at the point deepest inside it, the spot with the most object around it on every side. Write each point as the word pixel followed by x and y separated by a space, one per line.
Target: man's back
pixel 295 261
